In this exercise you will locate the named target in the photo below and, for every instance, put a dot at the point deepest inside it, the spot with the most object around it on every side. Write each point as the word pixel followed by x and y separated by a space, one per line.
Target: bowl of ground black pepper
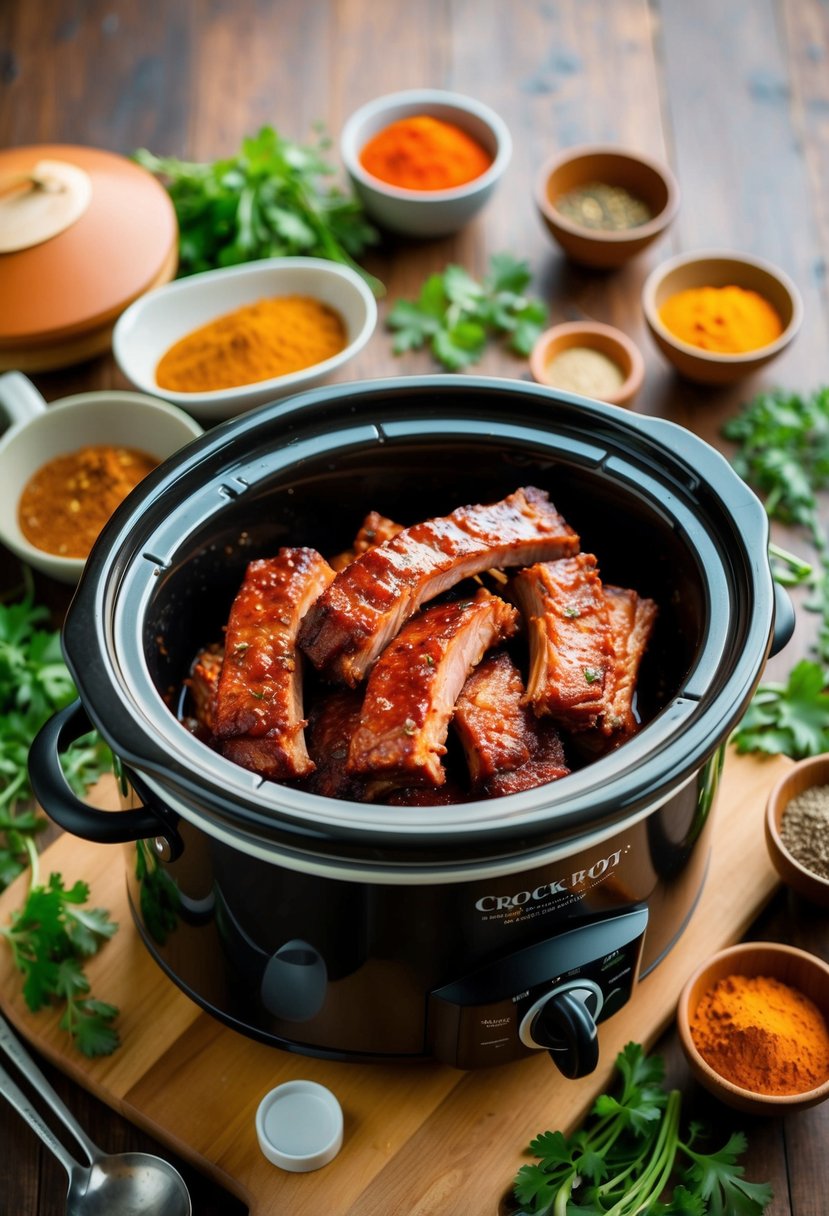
pixel 66 467
pixel 797 828
pixel 752 1022
pixel 604 205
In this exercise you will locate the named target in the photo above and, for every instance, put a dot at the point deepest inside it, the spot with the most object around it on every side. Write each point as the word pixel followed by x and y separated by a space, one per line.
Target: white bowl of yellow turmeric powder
pixel 222 342
pixel 718 317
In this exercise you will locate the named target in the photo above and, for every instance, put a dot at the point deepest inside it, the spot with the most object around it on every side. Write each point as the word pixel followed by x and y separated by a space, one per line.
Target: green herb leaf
pixel 50 936
pixel 269 200
pixel 720 1183
pixel 629 1152
pixel 790 718
pixel 458 315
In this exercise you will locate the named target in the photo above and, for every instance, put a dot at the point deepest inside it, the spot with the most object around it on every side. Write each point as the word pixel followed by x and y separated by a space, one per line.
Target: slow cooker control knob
pixel 564 1023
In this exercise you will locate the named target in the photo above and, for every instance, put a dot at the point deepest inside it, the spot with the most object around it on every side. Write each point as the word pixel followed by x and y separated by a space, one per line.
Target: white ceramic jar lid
pixel 300 1126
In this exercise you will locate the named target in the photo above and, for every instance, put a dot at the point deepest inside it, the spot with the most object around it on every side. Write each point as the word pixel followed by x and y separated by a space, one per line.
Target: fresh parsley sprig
pixel 267 201
pixel 34 684
pixel 627 1154
pixel 50 937
pixel 783 453
pixel 455 315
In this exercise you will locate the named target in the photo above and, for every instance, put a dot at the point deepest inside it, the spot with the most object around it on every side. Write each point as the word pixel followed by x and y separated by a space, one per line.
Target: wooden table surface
pixel 734 94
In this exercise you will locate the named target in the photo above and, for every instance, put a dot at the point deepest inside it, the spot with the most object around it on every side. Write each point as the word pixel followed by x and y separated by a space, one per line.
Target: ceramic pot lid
pixel 92 255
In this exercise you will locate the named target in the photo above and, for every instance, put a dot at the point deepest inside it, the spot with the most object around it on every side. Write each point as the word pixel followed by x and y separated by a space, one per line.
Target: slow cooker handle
pixel 55 795
pixel 784 619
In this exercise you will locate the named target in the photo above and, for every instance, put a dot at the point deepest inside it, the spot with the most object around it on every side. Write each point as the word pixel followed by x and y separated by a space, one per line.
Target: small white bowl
pixel 424 213
pixel 39 433
pixel 157 320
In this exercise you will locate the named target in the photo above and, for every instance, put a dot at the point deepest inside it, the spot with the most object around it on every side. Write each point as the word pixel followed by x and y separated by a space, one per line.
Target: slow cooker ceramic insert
pixel 478 932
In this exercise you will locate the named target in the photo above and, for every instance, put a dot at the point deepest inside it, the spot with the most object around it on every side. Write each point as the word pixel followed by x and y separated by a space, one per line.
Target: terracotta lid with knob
pixel 83 233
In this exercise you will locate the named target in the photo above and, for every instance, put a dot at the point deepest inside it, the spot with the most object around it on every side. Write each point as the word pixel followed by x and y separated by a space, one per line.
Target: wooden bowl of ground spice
pixel 590 359
pixel 604 205
pixel 753 1025
pixel 718 317
pixel 797 828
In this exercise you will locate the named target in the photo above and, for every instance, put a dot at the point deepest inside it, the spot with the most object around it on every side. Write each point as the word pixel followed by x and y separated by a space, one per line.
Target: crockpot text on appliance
pixel 497 903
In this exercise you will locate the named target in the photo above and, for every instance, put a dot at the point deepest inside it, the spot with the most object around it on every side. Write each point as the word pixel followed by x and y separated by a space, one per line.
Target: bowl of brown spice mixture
pixel 797 828
pixel 66 468
pixel 603 204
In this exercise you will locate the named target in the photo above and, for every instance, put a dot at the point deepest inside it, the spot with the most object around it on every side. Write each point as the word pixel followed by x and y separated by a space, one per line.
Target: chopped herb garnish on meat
pixel 571 612
pixel 591 675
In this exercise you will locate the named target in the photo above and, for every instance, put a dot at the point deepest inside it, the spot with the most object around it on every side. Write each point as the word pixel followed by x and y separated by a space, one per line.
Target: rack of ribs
pixel 371 598
pixel 374 529
pixel 412 690
pixel 567 617
pixel 258 711
pixel 507 748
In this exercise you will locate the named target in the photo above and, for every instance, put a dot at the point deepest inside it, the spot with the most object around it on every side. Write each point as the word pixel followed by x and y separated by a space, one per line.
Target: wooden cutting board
pixel 420 1140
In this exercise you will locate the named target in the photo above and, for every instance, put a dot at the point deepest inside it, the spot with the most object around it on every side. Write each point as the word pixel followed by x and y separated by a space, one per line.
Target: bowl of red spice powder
pixel 67 467
pixel 423 162
pixel 752 1021
pixel 797 828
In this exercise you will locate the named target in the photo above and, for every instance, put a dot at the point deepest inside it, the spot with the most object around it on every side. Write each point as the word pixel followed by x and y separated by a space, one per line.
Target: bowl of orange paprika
pixel 423 162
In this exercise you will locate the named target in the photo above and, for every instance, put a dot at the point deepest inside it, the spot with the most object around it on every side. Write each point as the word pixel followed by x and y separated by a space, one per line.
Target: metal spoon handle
pixel 16 1097
pixel 17 1053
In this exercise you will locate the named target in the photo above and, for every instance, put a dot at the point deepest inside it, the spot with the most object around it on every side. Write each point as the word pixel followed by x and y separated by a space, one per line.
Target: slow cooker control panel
pixel 543 997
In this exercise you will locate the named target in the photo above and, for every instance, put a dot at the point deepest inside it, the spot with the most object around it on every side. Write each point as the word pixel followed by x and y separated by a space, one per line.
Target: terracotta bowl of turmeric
pixel 718 317
pixel 64 469
pixel 222 342
pixel 752 1021
pixel 423 162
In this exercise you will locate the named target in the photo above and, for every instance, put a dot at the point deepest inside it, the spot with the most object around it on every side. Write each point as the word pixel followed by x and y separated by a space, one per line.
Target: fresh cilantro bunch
pixel 34 683
pixel 264 202
pixel 456 316
pixel 783 453
pixel 50 938
pixel 629 1153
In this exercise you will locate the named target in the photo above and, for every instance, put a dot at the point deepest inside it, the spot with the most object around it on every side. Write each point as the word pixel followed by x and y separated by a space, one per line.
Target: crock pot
pixel 476 932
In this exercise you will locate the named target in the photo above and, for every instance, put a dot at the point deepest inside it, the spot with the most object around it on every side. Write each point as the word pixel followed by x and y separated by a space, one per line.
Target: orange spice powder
pixel 424 153
pixel 66 503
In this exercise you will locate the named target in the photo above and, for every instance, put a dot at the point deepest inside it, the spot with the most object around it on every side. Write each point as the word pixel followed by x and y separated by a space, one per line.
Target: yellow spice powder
pixel 727 320
pixel 272 337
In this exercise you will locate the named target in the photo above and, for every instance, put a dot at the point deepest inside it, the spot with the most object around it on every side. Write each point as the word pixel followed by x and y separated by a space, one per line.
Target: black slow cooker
pixel 474 932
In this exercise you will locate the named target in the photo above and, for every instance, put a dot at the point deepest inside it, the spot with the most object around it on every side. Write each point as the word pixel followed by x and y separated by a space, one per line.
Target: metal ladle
pixel 112 1184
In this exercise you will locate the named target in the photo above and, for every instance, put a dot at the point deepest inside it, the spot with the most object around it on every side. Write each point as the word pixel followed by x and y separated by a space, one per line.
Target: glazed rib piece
pixel 631 620
pixel 374 529
pixel 331 724
pixel 566 612
pixel 491 721
pixel 258 712
pixel 202 683
pixel 412 690
pixel 507 748
pixel 369 601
